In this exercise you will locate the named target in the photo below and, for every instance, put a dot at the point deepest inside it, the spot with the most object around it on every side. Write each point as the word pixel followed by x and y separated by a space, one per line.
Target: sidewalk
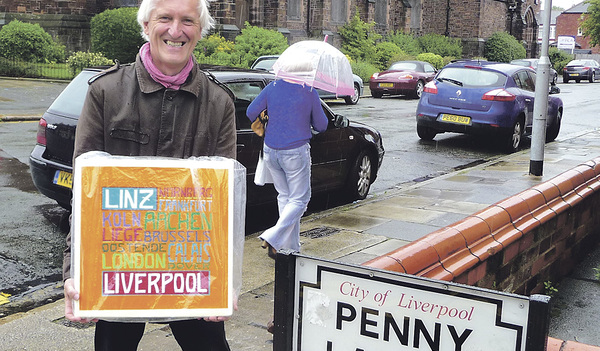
pixel 359 232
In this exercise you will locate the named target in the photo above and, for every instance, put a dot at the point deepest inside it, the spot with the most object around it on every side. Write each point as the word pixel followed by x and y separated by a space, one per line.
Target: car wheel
pixel 514 139
pixel 359 182
pixel 554 128
pixel 353 100
pixel 376 94
pixel 426 133
pixel 419 89
pixel 593 77
pixel 565 80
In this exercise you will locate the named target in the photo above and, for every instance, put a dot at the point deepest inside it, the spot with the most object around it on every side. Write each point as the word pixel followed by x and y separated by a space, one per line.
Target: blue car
pixel 489 98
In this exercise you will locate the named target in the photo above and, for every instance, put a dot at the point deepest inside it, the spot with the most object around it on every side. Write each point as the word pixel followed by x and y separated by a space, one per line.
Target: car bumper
pixel 474 128
pixel 42 174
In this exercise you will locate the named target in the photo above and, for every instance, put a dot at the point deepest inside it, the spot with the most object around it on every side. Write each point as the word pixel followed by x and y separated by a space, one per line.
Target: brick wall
pixel 568 24
pixel 516 244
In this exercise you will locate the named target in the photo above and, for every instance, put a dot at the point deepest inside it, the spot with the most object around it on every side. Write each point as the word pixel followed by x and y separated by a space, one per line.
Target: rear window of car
pixel 576 63
pixel 70 101
pixel 265 64
pixel 475 77
pixel 404 65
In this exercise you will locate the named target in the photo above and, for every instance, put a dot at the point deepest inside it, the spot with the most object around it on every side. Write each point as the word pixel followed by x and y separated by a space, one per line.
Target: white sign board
pixel 346 307
pixel 565 42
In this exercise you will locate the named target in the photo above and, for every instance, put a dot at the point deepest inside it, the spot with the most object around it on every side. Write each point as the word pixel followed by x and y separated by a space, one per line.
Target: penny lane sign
pixel 330 306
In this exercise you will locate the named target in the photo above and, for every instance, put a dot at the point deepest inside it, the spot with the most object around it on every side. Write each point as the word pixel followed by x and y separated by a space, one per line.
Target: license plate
pixel 456 119
pixel 386 85
pixel 574 74
pixel 63 178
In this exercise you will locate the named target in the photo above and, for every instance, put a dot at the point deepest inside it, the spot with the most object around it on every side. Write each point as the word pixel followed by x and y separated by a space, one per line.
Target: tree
pixel 591 24
pixel 358 39
pixel 30 43
pixel 117 34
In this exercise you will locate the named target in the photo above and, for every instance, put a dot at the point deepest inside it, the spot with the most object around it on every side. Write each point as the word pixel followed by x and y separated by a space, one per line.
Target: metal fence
pixel 16 68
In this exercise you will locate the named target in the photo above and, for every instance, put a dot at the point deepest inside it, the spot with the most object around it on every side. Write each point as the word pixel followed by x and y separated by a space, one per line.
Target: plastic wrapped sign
pixel 153 237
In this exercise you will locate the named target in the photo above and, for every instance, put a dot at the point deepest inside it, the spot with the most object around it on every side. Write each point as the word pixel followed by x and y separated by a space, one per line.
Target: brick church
pixel 473 21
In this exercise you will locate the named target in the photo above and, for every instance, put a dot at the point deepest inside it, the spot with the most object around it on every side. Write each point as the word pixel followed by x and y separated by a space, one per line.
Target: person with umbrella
pixel 293 108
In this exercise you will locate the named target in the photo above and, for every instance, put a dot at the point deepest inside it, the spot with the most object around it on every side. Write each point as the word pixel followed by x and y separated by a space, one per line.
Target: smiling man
pixel 160 105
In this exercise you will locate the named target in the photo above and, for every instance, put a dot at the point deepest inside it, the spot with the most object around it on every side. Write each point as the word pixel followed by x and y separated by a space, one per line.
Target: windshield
pixel 576 63
pixel 464 76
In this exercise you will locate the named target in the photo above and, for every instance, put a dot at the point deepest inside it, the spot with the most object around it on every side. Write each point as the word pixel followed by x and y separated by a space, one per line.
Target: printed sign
pixel 565 42
pixel 344 307
pixel 153 237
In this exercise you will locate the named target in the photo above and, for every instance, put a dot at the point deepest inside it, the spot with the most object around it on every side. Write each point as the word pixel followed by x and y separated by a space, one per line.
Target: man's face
pixel 173 29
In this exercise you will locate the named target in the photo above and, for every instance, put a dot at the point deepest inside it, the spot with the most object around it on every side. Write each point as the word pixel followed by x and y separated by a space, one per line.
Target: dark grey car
pixel 579 70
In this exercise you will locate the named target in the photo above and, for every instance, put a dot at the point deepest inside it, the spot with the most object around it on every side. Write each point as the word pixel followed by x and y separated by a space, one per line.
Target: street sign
pixel 330 306
pixel 566 42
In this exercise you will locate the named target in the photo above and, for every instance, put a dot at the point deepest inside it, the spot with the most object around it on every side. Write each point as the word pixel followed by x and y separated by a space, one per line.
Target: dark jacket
pixel 127 113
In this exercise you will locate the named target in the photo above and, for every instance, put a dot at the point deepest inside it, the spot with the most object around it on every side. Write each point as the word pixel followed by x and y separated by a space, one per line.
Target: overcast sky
pixel 565 4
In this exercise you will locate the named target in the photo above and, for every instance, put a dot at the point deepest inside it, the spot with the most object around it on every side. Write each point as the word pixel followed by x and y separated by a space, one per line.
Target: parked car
pixel 266 63
pixel 402 78
pixel 490 98
pixel 347 156
pixel 533 64
pixel 581 70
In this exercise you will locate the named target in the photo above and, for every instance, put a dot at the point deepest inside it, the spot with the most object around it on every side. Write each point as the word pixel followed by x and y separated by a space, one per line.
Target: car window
pixel 70 101
pixel 247 91
pixel 265 64
pixel 576 63
pixel 472 77
pixel 404 65
pixel 525 80
pixel 429 68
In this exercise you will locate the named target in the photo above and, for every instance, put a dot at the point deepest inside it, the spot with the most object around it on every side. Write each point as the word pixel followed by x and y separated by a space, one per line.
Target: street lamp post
pixel 540 107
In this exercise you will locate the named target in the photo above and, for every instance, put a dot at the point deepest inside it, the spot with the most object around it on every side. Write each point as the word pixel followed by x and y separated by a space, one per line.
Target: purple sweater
pixel 292 109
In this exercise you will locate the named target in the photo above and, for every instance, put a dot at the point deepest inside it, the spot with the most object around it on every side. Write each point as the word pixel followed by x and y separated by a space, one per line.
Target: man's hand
pixel 71 294
pixel 223 318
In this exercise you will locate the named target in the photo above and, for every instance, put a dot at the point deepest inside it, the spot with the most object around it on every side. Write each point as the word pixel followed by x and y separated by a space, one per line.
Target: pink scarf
pixel 173 82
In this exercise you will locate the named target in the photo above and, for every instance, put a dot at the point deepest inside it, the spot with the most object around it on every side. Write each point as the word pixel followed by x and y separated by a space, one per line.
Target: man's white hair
pixel 146 7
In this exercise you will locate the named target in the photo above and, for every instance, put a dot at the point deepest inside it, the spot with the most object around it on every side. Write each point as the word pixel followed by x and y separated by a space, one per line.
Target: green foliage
pixel 558 58
pixel 597 273
pixel 364 70
pixel 254 42
pixel 358 39
pixel 215 50
pixel 503 47
pixel 116 34
pixel 549 288
pixel 384 51
pixel 591 24
pixel 29 42
pixel 11 68
pixel 407 42
pixel 440 45
pixel 403 57
pixel 436 60
pixel 81 59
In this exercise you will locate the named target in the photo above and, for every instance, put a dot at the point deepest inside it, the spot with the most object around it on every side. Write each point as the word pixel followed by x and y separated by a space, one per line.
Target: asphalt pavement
pixel 355 233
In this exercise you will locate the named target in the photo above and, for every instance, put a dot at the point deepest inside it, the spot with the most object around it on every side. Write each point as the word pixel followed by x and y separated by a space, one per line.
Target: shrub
pixel 358 39
pixel 81 59
pixel 116 34
pixel 29 42
pixel 214 50
pixel 559 58
pixel 407 42
pixel 436 60
pixel 255 42
pixel 503 47
pixel 384 52
pixel 364 70
pixel 12 68
pixel 440 45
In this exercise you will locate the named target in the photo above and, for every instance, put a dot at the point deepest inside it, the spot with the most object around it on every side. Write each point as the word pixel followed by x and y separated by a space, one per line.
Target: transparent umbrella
pixel 317 64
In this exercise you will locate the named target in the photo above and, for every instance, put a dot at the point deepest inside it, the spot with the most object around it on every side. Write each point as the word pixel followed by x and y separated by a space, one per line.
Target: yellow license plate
pixel 63 178
pixel 574 74
pixel 386 85
pixel 456 119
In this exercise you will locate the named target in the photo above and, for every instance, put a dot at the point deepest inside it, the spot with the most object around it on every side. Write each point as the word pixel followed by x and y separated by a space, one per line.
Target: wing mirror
pixel 554 89
pixel 340 121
